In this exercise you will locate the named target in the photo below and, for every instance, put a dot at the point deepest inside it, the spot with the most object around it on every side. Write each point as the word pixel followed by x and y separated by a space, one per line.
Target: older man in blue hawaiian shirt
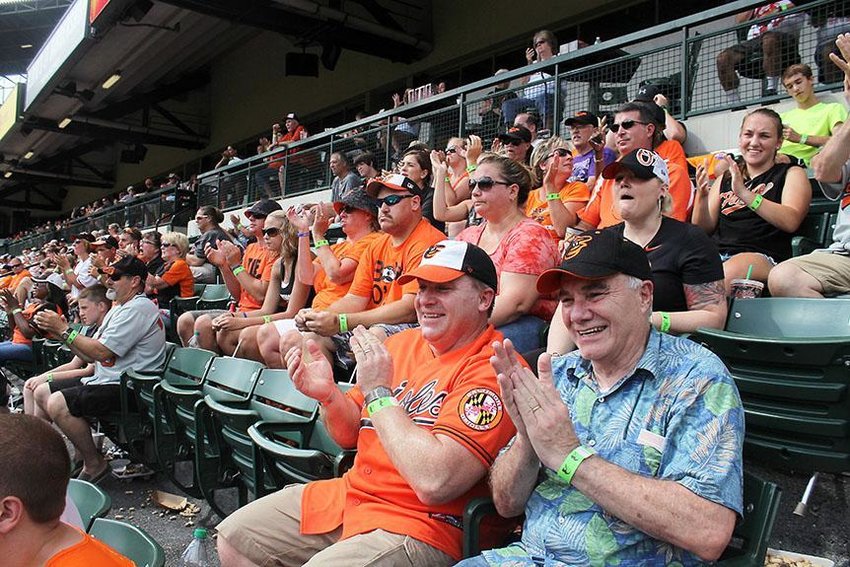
pixel 628 452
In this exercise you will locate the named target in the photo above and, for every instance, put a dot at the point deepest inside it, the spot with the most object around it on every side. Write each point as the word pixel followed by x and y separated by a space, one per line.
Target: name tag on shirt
pixel 650 439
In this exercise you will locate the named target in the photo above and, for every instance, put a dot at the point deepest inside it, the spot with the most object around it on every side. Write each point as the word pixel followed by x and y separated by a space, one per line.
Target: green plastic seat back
pixel 214 296
pixel 231 380
pixel 184 367
pixel 130 541
pixel 790 317
pixel 276 399
pixel 90 500
pixel 752 535
pixel 198 289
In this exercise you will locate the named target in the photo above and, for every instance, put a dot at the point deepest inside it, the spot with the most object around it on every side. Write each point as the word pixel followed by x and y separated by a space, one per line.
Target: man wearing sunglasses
pixel 131 336
pixel 635 126
pixel 375 296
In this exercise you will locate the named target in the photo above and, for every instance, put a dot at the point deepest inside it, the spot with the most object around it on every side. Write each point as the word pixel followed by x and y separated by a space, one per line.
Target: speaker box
pixel 302 65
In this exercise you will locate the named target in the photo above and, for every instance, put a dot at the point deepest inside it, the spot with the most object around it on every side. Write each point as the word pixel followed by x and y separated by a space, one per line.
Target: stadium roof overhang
pixel 64 129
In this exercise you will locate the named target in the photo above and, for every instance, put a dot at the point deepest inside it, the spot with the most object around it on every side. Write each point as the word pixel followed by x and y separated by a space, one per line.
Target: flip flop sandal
pixel 95 478
pixel 132 470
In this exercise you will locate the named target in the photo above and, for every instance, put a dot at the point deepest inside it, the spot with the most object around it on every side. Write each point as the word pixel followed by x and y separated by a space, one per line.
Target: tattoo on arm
pixel 700 296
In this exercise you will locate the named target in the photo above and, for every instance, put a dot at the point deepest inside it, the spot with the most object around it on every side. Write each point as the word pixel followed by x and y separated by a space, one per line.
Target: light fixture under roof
pixel 7 175
pixel 110 82
pixel 65 121
pixel 29 154
pixel 26 46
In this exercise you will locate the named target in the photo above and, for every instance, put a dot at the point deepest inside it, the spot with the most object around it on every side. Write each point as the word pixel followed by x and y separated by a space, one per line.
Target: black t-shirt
pixel 679 254
pixel 741 230
pixel 211 236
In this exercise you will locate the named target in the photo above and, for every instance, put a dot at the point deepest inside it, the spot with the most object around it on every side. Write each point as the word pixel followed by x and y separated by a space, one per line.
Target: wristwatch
pixel 379 392
pixel 66 334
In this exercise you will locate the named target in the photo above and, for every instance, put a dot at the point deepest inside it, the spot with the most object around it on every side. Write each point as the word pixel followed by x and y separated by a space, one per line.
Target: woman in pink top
pixel 520 248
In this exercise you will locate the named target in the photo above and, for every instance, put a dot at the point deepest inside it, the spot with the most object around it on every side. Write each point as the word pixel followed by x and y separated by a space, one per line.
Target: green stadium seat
pixel 130 541
pixel 228 381
pixel 790 358
pixel 274 399
pixel 215 296
pixel 90 500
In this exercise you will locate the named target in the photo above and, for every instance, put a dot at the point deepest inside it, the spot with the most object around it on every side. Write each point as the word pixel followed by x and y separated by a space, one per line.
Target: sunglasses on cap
pixel 626 125
pixel 485 183
pixel 271 232
pixel 391 200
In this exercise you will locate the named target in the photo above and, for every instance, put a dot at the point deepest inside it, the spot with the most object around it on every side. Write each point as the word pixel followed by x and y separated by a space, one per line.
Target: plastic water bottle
pixel 197 554
pixel 193 342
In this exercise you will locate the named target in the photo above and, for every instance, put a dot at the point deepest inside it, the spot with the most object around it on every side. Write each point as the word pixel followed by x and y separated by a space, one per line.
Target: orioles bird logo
pixel 577 244
pixel 433 251
pixel 645 157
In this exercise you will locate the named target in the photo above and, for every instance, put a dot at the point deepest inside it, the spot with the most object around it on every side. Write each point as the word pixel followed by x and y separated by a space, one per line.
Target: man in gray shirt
pixel 131 336
pixel 344 178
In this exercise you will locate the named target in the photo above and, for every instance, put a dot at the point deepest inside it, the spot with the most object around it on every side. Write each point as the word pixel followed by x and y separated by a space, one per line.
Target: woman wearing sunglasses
pixel 555 203
pixel 285 295
pixel 415 164
pixel 331 270
pixel 752 210
pixel 174 278
pixel 520 248
pixel 686 268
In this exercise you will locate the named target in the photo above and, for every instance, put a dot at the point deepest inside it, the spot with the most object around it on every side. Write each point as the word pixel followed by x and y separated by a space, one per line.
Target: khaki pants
pixel 267 532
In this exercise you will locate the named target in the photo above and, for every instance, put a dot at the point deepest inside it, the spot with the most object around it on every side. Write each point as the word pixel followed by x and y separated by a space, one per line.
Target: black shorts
pixel 89 401
pixel 751 52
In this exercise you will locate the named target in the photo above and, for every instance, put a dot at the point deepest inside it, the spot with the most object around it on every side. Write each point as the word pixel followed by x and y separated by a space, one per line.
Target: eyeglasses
pixel 115 276
pixel 167 245
pixel 560 152
pixel 626 124
pixel 271 232
pixel 513 142
pixel 451 150
pixel 539 42
pixel 392 200
pixel 348 209
pixel 199 217
pixel 485 183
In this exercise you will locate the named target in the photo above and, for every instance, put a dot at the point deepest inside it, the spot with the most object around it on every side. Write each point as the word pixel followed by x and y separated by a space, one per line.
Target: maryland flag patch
pixel 481 409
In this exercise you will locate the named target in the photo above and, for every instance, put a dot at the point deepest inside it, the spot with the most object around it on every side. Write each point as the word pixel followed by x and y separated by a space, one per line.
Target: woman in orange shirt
pixel 174 278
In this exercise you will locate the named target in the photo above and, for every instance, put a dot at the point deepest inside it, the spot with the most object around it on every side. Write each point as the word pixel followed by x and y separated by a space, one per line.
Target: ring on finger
pixel 535 407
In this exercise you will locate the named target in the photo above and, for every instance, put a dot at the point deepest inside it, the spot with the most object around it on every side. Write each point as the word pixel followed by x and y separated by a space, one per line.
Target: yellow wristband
pixel 574 459
pixel 49 377
pixel 320 243
pixel 69 271
pixel 267 318
pixel 665 322
pixel 471 168
pixel 16 310
pixel 553 196
pixel 238 270
pixel 343 323
pixel 377 405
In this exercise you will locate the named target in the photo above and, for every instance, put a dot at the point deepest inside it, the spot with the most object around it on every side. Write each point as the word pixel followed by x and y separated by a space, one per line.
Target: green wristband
pixel 665 322
pixel 320 243
pixel 471 168
pixel 49 377
pixel 553 196
pixel 267 318
pixel 570 465
pixel 756 203
pixel 238 270
pixel 343 322
pixel 377 405
pixel 69 271
pixel 73 335
pixel 804 139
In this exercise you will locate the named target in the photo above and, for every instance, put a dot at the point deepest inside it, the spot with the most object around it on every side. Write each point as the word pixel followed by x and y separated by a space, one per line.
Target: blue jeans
pixel 15 351
pixel 524 332
pixel 477 561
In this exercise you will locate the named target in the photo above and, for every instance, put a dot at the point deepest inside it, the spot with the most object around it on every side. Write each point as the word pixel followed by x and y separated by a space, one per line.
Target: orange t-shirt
pixel 15 280
pixel 382 263
pixel 180 274
pixel 601 211
pixel 326 291
pixel 537 207
pixel 258 261
pixel 87 553
pixel 672 152
pixel 17 336
pixel 455 395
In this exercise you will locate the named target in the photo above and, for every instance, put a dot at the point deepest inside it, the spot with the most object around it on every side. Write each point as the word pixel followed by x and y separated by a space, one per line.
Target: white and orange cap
pixel 450 259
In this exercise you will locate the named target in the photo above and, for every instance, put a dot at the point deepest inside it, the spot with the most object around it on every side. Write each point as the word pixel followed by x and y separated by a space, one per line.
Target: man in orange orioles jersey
pixel 426 418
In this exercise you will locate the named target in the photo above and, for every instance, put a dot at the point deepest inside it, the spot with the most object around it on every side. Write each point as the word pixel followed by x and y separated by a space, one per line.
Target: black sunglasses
pixel 451 150
pixel 626 124
pixel 167 244
pixel 391 200
pixel 115 276
pixel 485 183
pixel 271 232
pixel 348 209
pixel 560 152
pixel 513 142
